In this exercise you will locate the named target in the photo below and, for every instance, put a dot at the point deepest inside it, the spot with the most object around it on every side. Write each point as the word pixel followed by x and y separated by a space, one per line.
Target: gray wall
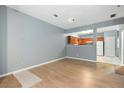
pixel 31 41
pixel 82 51
pixel 3 29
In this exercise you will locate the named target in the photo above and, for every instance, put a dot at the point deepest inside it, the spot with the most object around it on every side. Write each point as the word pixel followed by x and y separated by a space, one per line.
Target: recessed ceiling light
pixel 55 15
pixel 71 20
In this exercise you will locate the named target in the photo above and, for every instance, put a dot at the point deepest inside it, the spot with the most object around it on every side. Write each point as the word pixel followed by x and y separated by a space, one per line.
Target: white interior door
pixel 110 46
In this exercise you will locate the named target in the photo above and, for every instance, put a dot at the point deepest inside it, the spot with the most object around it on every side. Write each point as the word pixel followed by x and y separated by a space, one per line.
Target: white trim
pixel 122 48
pixel 88 60
pixel 30 67
pixel 80 59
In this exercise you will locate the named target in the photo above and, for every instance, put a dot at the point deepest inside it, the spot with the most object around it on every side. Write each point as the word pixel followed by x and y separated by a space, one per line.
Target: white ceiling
pixel 83 14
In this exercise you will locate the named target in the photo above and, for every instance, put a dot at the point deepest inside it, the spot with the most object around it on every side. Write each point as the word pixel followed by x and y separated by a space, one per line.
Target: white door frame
pixel 122 48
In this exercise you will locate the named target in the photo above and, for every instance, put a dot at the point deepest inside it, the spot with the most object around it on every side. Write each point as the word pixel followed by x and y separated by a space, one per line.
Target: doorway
pixel 109 48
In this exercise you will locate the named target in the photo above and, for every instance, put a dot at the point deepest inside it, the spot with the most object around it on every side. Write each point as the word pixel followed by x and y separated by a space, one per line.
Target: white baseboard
pixel 30 67
pixel 80 59
pixel 89 60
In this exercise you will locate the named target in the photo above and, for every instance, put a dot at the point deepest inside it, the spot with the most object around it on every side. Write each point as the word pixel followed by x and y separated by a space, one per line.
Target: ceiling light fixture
pixel 71 20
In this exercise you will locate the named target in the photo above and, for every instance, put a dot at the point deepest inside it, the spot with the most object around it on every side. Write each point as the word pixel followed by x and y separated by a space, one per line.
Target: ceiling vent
pixel 113 15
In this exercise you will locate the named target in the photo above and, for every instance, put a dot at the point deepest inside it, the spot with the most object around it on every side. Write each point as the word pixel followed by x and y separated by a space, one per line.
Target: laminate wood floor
pixel 70 73
pixel 120 70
